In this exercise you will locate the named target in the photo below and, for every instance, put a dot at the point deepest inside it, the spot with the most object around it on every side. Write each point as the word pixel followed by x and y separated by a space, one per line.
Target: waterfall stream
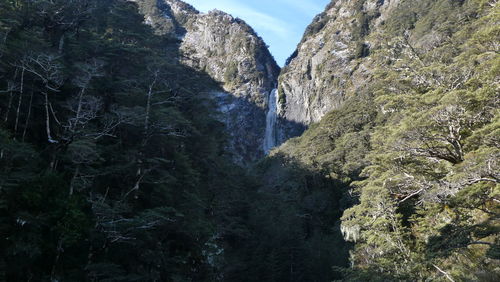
pixel 271 117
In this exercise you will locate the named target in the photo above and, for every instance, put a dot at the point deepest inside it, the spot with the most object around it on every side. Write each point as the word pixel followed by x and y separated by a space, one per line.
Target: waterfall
pixel 270 136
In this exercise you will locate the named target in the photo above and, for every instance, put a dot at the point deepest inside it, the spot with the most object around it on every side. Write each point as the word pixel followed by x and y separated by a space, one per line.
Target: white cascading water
pixel 270 136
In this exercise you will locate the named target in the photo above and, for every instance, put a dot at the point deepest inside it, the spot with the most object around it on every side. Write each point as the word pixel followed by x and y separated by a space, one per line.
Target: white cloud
pixel 262 21
pixel 258 20
pixel 308 8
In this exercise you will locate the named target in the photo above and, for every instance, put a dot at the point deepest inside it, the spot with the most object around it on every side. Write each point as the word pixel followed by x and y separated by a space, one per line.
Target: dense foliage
pixel 416 150
pixel 429 206
pixel 113 162
pixel 111 157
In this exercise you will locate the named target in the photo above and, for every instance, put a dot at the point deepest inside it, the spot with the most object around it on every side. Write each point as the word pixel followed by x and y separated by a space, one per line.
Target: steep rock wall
pixel 229 51
pixel 331 63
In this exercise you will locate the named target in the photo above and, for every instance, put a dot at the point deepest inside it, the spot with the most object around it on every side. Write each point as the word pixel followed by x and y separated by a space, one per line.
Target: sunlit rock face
pixel 332 62
pixel 228 50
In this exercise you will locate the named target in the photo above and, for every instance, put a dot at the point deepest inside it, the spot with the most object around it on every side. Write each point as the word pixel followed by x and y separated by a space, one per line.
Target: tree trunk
pixel 72 185
pixel 61 44
pixel 7 111
pixel 19 103
pixel 28 116
pixel 47 118
pixel 148 108
pixel 59 250
pixel 78 111
pixel 11 97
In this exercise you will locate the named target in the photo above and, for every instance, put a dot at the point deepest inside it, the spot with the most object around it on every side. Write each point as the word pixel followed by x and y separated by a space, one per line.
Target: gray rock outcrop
pixel 230 52
pixel 331 62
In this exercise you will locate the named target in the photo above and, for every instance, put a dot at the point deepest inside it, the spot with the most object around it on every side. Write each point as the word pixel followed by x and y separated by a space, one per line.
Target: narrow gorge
pixel 231 53
pixel 144 140
pixel 271 118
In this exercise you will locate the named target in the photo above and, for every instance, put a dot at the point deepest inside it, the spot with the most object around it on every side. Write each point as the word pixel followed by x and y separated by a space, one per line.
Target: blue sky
pixel 280 22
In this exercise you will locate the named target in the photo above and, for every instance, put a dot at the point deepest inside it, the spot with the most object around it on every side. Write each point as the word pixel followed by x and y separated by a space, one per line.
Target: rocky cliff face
pixel 229 51
pixel 332 62
pixel 409 76
pixel 341 49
